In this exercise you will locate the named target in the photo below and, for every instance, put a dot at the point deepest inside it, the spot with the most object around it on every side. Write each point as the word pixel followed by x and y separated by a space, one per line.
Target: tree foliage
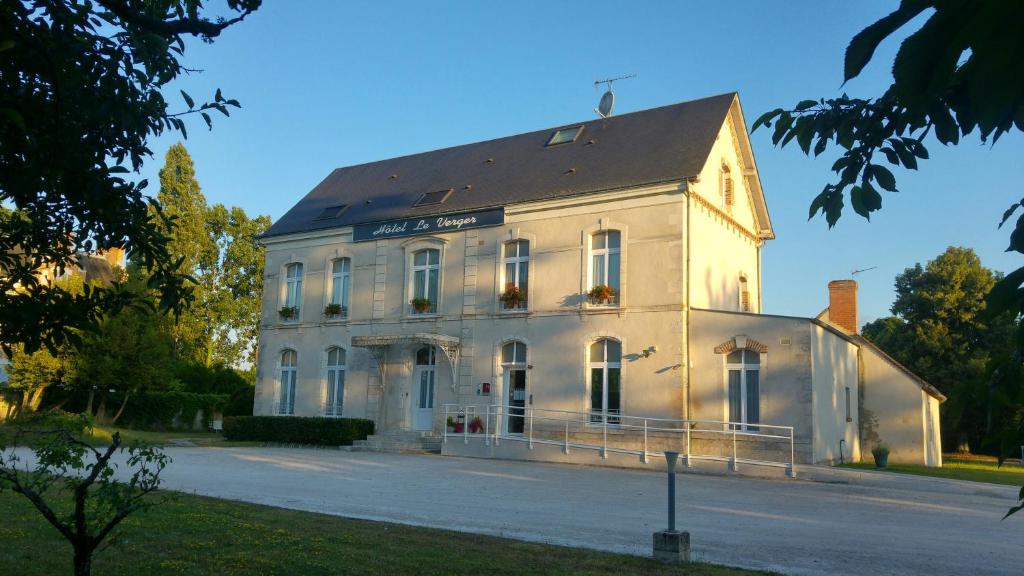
pixel 63 466
pixel 941 331
pixel 80 94
pixel 218 248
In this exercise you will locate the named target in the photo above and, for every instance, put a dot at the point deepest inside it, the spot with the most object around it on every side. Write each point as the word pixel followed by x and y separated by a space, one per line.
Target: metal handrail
pixel 552 420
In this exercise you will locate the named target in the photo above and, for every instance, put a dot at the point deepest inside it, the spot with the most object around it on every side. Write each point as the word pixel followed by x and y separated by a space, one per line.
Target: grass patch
pixel 198 535
pixel 974 468
pixel 102 434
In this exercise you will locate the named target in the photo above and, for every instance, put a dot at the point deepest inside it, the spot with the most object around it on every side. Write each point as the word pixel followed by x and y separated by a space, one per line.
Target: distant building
pixel 610 267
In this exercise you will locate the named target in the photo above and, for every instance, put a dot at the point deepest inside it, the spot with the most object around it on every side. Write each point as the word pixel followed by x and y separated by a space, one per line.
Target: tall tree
pixel 183 203
pixel 941 331
pixel 80 94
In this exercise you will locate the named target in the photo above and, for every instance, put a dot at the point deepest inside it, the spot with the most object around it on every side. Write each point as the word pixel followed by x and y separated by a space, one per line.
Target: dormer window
pixel 331 212
pixel 565 135
pixel 430 198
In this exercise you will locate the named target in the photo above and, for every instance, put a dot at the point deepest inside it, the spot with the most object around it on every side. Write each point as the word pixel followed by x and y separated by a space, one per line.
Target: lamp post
pixel 672 546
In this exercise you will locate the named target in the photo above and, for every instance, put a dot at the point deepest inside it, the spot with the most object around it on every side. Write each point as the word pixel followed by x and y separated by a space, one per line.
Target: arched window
pixel 513 368
pixel 335 381
pixel 605 381
pixel 341 283
pixel 289 367
pixel 426 279
pixel 293 287
pixel 517 269
pixel 725 186
pixel 605 256
pixel 744 368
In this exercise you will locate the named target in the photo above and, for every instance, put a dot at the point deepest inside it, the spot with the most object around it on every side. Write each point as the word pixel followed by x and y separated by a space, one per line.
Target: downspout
pixel 760 302
pixel 686 318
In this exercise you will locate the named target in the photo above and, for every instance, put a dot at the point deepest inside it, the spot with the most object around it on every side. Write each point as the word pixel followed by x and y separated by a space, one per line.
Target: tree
pixel 80 93
pixel 129 353
pixel 959 72
pixel 190 245
pixel 218 247
pixel 941 332
pixel 64 465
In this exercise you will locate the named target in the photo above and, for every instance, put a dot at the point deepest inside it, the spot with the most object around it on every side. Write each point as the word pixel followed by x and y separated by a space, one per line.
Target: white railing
pixel 332 410
pixel 282 409
pixel 563 428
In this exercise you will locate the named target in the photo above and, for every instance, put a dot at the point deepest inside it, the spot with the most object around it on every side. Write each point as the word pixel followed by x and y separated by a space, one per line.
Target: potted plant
pixel 421 305
pixel 476 425
pixel 512 297
pixel 334 310
pixel 602 294
pixel 881 454
pixel 450 424
pixel 288 312
pixel 457 427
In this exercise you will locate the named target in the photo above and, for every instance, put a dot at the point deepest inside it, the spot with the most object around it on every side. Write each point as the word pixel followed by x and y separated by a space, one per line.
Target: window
pixel 335 381
pixel 744 368
pixel 286 398
pixel 513 369
pixel 565 135
pixel 744 294
pixel 517 265
pixel 341 282
pixel 605 381
pixel 426 277
pixel 429 198
pixel 605 255
pixel 331 212
pixel 293 292
pixel 725 186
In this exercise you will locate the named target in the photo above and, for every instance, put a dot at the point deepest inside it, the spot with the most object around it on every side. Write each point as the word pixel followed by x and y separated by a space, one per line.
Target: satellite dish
pixel 607 101
pixel 604 108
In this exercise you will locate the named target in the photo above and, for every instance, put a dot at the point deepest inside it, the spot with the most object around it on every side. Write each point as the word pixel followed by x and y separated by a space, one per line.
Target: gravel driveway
pixel 857 523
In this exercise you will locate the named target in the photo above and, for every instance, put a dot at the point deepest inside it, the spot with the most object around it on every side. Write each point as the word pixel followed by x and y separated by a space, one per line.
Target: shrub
pixel 240 403
pixel 163 410
pixel 297 430
pixel 880 451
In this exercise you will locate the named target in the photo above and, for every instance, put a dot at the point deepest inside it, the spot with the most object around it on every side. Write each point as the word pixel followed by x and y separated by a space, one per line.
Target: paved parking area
pixel 859 523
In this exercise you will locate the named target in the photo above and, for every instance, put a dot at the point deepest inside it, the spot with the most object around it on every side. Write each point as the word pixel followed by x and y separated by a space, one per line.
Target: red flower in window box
pixel 513 297
pixel 602 294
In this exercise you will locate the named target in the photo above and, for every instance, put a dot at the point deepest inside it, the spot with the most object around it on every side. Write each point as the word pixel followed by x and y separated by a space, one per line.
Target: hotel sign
pixel 428 225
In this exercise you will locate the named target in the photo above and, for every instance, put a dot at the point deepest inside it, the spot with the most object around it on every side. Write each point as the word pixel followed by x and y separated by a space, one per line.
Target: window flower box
pixel 422 305
pixel 335 310
pixel 476 425
pixel 602 294
pixel 513 298
pixel 288 312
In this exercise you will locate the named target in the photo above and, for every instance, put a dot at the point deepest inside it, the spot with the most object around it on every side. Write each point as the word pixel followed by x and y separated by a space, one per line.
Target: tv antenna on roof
pixel 855 272
pixel 604 108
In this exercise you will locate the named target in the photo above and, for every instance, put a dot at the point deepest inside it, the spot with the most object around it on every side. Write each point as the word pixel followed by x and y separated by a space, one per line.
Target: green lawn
pixel 197 535
pixel 102 435
pixel 975 468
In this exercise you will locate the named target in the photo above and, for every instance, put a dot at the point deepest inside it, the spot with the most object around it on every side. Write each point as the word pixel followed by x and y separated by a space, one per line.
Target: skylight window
pixel 430 198
pixel 331 212
pixel 565 135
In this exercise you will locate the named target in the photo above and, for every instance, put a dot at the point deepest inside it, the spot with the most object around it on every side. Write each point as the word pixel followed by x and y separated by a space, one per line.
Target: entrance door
pixel 515 383
pixel 423 390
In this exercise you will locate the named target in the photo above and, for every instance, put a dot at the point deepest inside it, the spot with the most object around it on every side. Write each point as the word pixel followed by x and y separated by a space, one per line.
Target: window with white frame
pixel 744 374
pixel 341 282
pixel 286 392
pixel 335 381
pixel 513 368
pixel 426 280
pixel 517 273
pixel 293 291
pixel 605 362
pixel 605 259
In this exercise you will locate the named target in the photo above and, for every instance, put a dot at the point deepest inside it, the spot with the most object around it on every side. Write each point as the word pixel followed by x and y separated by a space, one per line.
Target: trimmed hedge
pixel 297 430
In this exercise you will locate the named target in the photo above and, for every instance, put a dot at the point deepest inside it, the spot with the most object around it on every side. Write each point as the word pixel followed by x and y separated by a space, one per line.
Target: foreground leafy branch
pixel 65 466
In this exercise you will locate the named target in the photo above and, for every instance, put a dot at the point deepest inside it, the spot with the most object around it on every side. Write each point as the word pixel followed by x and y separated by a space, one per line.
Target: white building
pixel 611 267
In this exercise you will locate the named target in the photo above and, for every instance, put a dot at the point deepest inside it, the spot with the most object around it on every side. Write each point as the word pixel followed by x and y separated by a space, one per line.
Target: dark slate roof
pixel 658 145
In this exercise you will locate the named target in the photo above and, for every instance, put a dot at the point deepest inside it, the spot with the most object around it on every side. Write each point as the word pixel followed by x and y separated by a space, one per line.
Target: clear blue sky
pixel 332 84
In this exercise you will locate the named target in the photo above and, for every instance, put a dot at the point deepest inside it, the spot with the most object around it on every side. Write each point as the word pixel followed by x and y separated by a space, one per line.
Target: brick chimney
pixel 842 304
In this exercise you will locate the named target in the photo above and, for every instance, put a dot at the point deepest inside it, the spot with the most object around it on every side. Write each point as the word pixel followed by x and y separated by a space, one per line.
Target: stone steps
pixel 400 442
